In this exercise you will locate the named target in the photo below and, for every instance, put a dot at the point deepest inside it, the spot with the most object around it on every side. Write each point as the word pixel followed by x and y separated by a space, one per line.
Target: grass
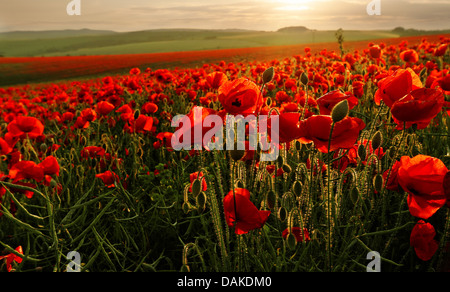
pixel 153 223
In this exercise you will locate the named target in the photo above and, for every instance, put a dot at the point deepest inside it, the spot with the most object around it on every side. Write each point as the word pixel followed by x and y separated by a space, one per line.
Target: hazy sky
pixel 120 15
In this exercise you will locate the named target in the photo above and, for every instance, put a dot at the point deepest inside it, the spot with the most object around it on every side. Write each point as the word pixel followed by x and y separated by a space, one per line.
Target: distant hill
pixel 104 42
pixel 49 34
pixel 415 32
pixel 294 29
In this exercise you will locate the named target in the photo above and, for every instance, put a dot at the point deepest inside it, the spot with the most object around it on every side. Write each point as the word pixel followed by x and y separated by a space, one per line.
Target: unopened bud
pixel 340 111
pixel 196 187
pixel 362 151
pixel 137 113
pixel 286 168
pixel 297 188
pixel 268 75
pixel 291 241
pixel 304 79
pixel 378 182
pixel 377 140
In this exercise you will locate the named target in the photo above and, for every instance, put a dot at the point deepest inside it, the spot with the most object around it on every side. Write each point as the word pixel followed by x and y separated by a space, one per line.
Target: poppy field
pixel 364 166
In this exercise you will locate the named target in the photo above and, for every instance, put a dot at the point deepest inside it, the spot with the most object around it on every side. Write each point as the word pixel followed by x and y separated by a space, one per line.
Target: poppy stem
pixel 329 205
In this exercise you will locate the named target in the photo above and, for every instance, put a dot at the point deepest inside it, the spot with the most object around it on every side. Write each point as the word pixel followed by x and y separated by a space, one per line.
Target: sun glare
pixel 293 5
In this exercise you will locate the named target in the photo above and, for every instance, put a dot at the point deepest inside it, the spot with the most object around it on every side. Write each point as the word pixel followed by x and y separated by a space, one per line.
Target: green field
pixel 90 42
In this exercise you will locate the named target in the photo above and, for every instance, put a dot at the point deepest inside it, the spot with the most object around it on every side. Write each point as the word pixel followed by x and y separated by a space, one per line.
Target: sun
pixel 293 5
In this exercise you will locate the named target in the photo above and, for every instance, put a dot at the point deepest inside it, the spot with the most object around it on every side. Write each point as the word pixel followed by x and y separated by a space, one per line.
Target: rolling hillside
pixel 90 42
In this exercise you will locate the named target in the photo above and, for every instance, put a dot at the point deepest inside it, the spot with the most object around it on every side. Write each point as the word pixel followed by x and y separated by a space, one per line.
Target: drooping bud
pixel 297 188
pixel 268 75
pixel 137 113
pixel 304 79
pixel 340 111
pixel 286 168
pixel 291 241
pixel 196 187
pixel 362 151
pixel 271 197
pixel 378 182
pixel 377 140
pixel 236 154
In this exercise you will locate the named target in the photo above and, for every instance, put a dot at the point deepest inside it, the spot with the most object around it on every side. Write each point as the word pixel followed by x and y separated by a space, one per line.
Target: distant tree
pixel 340 38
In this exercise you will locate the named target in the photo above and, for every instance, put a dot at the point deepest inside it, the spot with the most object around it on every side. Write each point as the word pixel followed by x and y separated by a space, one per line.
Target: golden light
pixel 293 5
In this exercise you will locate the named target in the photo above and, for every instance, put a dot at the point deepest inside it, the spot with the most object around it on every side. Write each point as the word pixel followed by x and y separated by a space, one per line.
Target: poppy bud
pixel 354 195
pixel 377 140
pixel 362 151
pixel 286 168
pixel 340 111
pixel 291 241
pixel 43 147
pixel 196 187
pixel 282 214
pixel 297 188
pixel 270 199
pixel 137 113
pixel 237 155
pixel 378 182
pixel 201 201
pixel 53 184
pixel 304 79
pixel 268 75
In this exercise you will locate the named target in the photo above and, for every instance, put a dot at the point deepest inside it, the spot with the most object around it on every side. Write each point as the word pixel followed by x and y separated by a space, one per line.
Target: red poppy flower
pixel 327 101
pixel 88 115
pixel 447 188
pixel 443 82
pixel 12 258
pixel 109 178
pixel 104 108
pixel 422 239
pixel 418 107
pixel 26 126
pixel 149 108
pixel 216 79
pixel 409 56
pixel 297 231
pixel 440 50
pixel 26 170
pixel 396 86
pixel 288 127
pixel 358 88
pixel 422 178
pixel 165 138
pixel 240 96
pixel 375 51
pixel 143 123
pixel 50 166
pixel 392 181
pixel 67 117
pixel 127 113
pixel 197 175
pixel 81 123
pixel 92 152
pixel 317 129
pixel 241 213
pixel 5 148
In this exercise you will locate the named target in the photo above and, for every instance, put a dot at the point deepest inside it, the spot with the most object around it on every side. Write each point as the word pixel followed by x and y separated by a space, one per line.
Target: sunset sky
pixel 268 15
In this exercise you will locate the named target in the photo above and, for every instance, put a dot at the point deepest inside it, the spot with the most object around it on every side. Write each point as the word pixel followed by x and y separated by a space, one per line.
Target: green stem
pixel 329 200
